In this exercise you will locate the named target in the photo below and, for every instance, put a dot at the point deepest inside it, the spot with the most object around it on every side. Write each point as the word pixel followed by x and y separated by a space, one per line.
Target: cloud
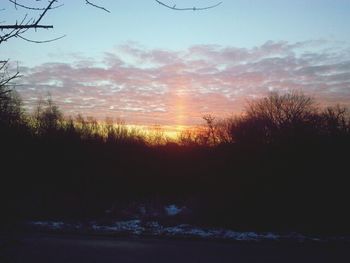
pixel 149 86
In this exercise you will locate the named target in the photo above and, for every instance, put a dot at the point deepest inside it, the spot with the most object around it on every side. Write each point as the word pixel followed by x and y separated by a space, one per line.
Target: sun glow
pixel 168 132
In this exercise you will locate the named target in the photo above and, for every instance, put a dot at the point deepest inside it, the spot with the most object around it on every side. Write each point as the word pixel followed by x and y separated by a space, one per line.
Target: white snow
pixel 131 226
pixel 137 227
pixel 52 225
pixel 247 236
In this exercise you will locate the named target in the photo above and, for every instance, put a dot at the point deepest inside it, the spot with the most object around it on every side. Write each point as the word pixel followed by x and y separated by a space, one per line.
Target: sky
pixel 147 64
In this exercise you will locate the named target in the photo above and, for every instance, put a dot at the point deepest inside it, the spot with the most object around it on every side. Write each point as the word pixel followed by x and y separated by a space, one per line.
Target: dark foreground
pixel 61 248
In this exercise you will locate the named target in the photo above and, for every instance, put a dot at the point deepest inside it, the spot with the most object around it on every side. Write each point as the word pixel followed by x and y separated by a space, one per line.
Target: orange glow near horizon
pixel 170 132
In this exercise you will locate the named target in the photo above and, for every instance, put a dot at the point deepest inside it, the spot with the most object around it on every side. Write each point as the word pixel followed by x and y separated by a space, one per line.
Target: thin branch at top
pixel 40 41
pixel 32 8
pixel 97 6
pixel 188 8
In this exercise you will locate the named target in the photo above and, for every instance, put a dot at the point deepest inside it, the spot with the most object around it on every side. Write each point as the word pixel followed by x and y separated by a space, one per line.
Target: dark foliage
pixel 281 166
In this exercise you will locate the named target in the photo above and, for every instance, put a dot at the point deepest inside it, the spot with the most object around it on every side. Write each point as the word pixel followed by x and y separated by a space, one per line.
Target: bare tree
pixel 335 121
pixel 47 116
pixel 276 117
pixel 10 104
pixel 211 129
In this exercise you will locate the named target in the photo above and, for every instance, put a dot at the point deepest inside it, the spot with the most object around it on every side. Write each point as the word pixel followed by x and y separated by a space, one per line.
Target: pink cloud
pixel 167 87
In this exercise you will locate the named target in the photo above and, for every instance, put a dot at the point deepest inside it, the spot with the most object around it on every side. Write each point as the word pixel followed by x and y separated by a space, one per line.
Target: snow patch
pixel 48 224
pixel 131 226
pixel 154 228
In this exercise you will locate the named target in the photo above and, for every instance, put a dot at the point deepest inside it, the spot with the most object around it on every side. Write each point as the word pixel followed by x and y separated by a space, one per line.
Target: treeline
pixel 292 117
pixel 47 121
pixel 281 165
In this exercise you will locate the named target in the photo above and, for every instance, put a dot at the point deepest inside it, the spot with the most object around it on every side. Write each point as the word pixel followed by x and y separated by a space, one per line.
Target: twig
pixel 97 6
pixel 6 81
pixel 32 8
pixel 41 41
pixel 188 8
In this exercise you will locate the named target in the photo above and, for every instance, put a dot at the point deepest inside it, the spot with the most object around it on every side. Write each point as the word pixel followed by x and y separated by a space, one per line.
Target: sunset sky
pixel 148 64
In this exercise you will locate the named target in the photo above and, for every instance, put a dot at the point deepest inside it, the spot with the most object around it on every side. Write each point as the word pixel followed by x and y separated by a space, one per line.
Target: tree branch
pixel 97 6
pixel 5 81
pixel 188 8
pixel 32 8
pixel 29 25
pixel 46 9
pixel 41 41
pixel 16 30
pixel 2 27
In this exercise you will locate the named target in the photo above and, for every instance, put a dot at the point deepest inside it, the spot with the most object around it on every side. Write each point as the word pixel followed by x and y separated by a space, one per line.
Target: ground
pixel 53 248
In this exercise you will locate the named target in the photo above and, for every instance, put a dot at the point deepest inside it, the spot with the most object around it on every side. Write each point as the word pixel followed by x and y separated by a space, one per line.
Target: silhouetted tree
pixel 223 130
pixel 48 117
pixel 156 136
pixel 335 121
pixel 117 132
pixel 210 136
pixel 189 137
pixel 276 117
pixel 11 110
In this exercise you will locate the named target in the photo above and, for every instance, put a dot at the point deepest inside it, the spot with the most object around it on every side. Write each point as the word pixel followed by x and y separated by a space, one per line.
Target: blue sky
pixel 136 34
pixel 240 23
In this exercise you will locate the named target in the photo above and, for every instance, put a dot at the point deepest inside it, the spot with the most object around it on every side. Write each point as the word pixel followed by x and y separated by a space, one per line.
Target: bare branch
pixel 188 8
pixel 46 9
pixel 29 25
pixel 3 64
pixel 16 30
pixel 2 27
pixel 41 41
pixel 2 93
pixel 32 8
pixel 97 6
pixel 4 77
